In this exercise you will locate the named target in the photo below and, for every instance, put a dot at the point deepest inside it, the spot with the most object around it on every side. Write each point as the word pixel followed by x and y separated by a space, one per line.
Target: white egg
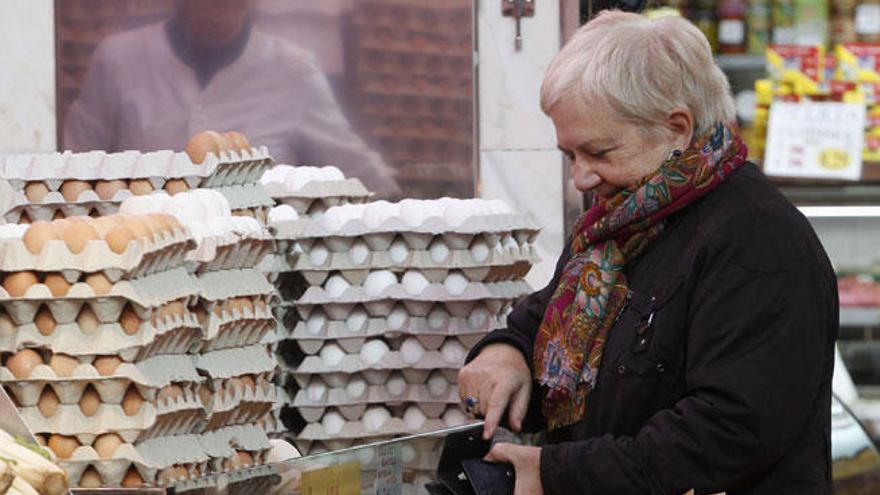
pixel 298 177
pixel 356 387
pixel 439 250
pixel 316 321
pixel 498 207
pixel 377 281
pixel 375 214
pixel 438 318
pixel 336 285
pixel 480 250
pixel 282 213
pixel 414 282
pixel 407 454
pixel 334 218
pixel 454 417
pixel 356 320
pixel 331 355
pixel 414 418
pixel 365 455
pixel 359 252
pixel 332 422
pixel 412 351
pixel 275 175
pixel 437 384
pixel 246 226
pixel 316 390
pixel 398 251
pixel 396 385
pixel 413 212
pixel 142 205
pixel 477 206
pixel 455 283
pixel 331 173
pixel 374 417
pixel 456 214
pixel 318 254
pixel 398 318
pixel 453 352
pixel 373 351
pixel 479 318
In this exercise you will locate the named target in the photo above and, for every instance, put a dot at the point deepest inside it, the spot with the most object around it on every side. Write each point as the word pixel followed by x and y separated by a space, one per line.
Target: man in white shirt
pixel 208 68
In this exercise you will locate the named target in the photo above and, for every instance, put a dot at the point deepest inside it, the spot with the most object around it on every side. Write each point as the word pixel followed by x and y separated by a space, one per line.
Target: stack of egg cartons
pixel 303 194
pixel 94 337
pixel 397 294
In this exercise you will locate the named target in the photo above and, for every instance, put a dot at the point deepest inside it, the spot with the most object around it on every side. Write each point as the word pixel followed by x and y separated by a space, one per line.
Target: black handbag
pixel 462 470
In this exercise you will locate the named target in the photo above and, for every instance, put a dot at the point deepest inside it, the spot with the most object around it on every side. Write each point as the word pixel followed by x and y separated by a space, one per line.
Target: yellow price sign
pixel 834 159
pixel 341 479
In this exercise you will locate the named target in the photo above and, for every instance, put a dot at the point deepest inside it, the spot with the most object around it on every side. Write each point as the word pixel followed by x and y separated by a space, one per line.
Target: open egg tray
pixel 231 252
pixel 229 168
pixel 147 376
pixel 358 429
pixel 353 407
pixel 227 326
pixel 316 189
pixel 375 373
pixel 138 260
pixel 247 408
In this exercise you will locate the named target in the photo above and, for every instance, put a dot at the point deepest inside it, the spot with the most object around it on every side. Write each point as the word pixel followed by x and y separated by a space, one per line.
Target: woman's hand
pixel 498 379
pixel 527 463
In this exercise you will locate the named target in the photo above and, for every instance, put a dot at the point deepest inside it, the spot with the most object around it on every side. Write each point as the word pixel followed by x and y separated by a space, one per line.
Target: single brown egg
pixel 90 401
pixel 132 401
pixel 23 362
pixel 130 321
pixel 18 283
pixel 248 383
pixel 76 234
pixel 87 320
pixel 245 304
pixel 24 218
pixel 71 189
pixel 203 143
pixel 99 283
pixel 175 186
pixel 57 284
pixel 90 478
pixel 259 305
pixel 234 384
pixel 106 189
pixel 106 365
pixel 170 392
pixel 140 187
pixel 49 402
pixel 45 322
pixel 58 215
pixel 36 191
pixel 103 226
pixel 62 445
pixel 206 395
pixel 133 478
pixel 157 226
pixel 63 365
pixel 237 140
pixel 107 444
pixel 119 238
pixel 172 474
pixel 139 227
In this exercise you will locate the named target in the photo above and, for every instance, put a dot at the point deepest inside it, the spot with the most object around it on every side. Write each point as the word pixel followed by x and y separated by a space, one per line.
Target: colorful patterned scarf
pixel 592 289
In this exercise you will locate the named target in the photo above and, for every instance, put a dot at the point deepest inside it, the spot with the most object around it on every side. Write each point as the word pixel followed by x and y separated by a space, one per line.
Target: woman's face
pixel 608 153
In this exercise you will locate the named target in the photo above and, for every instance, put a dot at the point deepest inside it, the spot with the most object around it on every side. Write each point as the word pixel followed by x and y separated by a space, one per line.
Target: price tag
pixel 389 473
pixel 341 479
pixel 821 140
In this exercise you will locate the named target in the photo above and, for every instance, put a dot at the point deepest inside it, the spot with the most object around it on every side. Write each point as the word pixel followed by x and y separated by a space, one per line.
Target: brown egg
pixel 63 365
pixel 139 227
pixel 140 187
pixel 90 479
pixel 99 283
pixel 132 479
pixel 239 460
pixel 106 189
pixel 130 321
pixel 107 444
pixel 49 402
pixel 76 234
pixel 87 320
pixel 206 395
pixel 58 215
pixel 62 445
pixel 237 140
pixel 36 191
pixel 170 392
pixel 71 189
pixel 57 284
pixel 206 142
pixel 106 365
pixel 24 219
pixel 45 322
pixel 157 226
pixel 90 401
pixel 259 305
pixel 23 362
pixel 119 238
pixel 248 383
pixel 132 401
pixel 245 304
pixel 7 326
pixel 172 474
pixel 17 283
pixel 172 309
pixel 103 226
pixel 175 186
pixel 233 384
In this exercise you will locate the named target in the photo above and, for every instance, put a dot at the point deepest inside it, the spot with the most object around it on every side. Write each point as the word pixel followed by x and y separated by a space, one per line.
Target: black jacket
pixel 729 385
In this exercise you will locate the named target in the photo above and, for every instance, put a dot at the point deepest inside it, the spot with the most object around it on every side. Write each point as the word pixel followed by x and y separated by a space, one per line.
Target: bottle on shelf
pixel 732 26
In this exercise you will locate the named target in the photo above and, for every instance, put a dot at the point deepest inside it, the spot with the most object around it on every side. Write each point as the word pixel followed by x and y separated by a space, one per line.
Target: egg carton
pixel 147 376
pixel 353 406
pixel 227 168
pixel 496 296
pixel 236 404
pixel 352 345
pixel 149 457
pixel 255 479
pixel 245 196
pixel 296 379
pixel 330 193
pixel 138 260
pixel 231 252
pixel 229 326
pixel 374 373
pixel 357 429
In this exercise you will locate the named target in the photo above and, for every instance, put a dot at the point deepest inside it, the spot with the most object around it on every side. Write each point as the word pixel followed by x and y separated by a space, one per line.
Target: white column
pixel 519 162
pixel 27 76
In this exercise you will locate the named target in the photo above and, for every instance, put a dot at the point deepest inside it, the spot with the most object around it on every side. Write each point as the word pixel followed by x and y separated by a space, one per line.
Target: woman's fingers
pixel 519 405
pixel 495 407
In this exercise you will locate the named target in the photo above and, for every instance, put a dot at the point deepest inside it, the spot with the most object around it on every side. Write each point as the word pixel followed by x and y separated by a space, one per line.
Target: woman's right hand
pixel 500 380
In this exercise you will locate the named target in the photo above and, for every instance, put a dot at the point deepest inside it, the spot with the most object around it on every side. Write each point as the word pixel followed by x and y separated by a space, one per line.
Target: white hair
pixel 643 69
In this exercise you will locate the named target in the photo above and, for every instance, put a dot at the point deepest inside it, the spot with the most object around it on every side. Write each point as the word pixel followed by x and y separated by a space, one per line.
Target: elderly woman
pixel 686 339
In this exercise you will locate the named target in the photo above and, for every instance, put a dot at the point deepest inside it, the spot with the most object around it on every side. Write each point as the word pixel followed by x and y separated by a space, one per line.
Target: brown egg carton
pixel 236 401
pixel 238 308
pixel 138 260
pixel 147 376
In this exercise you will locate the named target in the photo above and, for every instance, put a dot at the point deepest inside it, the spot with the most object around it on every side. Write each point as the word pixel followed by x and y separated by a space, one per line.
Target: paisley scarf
pixel 592 289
